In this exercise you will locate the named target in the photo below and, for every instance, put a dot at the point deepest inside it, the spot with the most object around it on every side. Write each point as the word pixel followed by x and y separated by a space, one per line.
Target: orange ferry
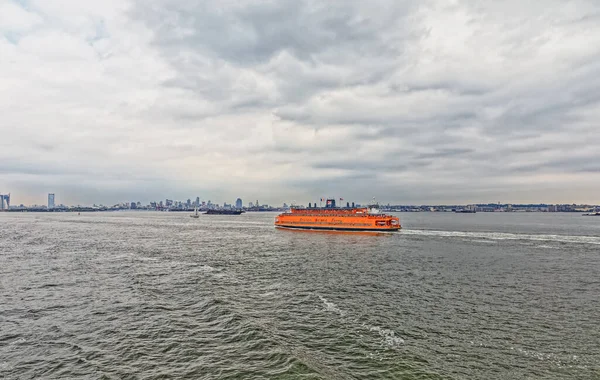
pixel 331 218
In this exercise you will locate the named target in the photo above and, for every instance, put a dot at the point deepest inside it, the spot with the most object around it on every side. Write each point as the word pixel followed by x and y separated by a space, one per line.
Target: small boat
pixel 597 213
pixel 195 214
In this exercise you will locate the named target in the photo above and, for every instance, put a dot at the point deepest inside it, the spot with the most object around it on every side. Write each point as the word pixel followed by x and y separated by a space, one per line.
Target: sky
pixel 411 102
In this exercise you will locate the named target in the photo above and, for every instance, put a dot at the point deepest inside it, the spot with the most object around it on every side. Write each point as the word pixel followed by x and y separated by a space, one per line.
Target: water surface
pixel 161 295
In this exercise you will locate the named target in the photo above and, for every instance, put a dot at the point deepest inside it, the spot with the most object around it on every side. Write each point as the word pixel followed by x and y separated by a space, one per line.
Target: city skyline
pixel 413 102
pixel 42 200
pixel 190 203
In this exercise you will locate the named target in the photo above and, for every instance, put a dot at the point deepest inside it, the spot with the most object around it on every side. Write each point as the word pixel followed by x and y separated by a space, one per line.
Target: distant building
pixel 50 200
pixel 238 203
pixel 250 205
pixel 133 205
pixel 197 201
pixel 4 198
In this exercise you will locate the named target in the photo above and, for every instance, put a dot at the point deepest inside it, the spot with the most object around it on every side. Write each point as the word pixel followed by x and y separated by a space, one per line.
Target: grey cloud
pixel 361 166
pixel 584 164
pixel 414 98
pixel 591 169
pixel 441 153
pixel 458 88
pixel 44 171
pixel 290 42
pixel 250 31
pixel 22 167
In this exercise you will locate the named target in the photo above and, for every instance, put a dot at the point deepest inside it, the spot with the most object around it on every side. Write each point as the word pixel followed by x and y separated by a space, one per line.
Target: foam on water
pixel 330 306
pixel 477 236
pixel 565 360
pixel 558 360
pixel 206 268
pixel 389 336
pixel 18 341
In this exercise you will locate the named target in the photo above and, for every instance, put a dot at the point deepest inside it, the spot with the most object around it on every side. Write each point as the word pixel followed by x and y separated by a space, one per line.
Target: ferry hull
pixel 343 229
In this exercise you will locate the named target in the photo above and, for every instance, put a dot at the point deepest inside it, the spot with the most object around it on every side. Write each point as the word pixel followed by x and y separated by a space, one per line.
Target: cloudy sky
pixel 408 101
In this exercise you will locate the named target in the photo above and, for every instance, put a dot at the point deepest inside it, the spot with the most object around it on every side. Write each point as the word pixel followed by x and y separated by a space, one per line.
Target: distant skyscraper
pixel 4 201
pixel 238 203
pixel 50 200
pixel 197 201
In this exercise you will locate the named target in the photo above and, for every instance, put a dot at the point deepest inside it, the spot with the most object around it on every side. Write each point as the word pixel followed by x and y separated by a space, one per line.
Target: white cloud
pixel 15 19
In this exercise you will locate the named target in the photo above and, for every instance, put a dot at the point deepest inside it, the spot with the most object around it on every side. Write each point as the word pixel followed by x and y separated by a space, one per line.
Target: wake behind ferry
pixel 332 218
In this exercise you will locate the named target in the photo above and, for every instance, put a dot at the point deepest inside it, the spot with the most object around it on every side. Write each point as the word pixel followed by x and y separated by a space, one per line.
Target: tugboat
pixel 224 212
pixel 332 218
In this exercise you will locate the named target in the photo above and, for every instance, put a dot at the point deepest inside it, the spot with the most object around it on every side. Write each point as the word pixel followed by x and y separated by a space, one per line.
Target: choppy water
pixel 161 295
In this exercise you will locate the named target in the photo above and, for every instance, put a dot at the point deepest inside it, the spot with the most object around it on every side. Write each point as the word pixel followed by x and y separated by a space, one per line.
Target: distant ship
pixel 597 213
pixel 465 211
pixel 331 218
pixel 224 212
